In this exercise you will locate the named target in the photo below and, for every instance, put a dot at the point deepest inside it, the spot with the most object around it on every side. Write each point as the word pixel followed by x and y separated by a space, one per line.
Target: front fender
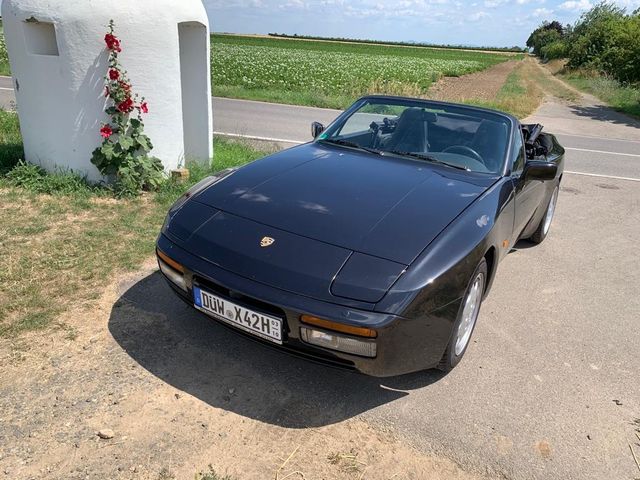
pixel 440 274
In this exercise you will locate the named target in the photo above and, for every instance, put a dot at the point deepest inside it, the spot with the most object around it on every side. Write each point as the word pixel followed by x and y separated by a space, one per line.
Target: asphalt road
pixel 549 388
pixel 604 143
pixel 598 140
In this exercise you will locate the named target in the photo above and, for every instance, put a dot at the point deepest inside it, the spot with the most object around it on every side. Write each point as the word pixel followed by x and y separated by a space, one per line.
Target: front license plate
pixel 264 326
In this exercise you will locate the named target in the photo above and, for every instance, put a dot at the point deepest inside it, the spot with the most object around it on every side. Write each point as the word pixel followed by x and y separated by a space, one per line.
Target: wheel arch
pixel 492 265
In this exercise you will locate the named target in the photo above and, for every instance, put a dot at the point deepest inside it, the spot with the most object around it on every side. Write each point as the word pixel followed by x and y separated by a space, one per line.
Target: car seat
pixel 411 133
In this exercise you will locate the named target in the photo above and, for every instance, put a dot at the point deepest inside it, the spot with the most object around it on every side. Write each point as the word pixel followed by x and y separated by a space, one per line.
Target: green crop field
pixel 331 74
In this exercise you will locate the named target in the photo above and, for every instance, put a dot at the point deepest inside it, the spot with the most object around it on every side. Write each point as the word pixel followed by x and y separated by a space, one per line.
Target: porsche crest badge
pixel 266 241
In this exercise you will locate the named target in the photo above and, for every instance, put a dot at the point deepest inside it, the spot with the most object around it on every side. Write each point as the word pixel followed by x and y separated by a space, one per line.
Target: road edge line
pixel 254 137
pixel 597 175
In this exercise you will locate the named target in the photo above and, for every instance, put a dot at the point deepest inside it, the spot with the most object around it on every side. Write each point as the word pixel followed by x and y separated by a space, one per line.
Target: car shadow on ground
pixel 197 355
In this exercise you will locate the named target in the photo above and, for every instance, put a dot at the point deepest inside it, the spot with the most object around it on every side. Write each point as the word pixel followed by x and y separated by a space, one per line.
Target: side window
pixel 518 159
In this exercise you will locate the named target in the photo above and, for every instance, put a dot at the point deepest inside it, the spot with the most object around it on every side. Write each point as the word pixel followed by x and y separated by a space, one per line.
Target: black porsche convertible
pixel 373 246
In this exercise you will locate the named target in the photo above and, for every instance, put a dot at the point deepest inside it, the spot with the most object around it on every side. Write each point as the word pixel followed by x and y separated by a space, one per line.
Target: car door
pixel 528 192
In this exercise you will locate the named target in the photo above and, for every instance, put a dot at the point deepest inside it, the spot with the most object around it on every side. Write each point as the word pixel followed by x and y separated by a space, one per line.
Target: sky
pixel 494 23
pixel 464 22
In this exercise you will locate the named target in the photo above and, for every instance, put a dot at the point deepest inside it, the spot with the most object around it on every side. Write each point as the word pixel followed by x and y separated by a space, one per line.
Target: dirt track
pixel 483 85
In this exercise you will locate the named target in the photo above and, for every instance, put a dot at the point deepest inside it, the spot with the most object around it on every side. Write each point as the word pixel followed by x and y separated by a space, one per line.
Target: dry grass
pixel 58 252
pixel 347 462
pixel 392 87
pixel 550 85
pixel 62 240
pixel 623 98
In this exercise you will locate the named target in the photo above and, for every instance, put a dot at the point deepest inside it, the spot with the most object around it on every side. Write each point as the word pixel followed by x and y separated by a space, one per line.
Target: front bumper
pixel 403 345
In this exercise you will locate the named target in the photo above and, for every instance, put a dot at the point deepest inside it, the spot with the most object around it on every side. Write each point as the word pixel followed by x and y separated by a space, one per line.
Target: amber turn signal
pixel 339 327
pixel 169 261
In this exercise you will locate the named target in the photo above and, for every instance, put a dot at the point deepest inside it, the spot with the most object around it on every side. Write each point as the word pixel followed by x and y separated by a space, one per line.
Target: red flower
pixel 125 86
pixel 114 74
pixel 144 107
pixel 126 106
pixel 112 42
pixel 106 131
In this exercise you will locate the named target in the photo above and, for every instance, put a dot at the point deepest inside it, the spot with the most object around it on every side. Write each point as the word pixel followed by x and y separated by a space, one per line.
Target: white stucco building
pixel 58 60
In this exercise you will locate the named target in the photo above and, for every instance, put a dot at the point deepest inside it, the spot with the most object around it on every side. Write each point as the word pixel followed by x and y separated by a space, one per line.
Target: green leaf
pixel 107 150
pixel 145 143
pixel 126 142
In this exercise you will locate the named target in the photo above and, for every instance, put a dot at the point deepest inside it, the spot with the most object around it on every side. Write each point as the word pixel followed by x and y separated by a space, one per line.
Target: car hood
pixel 383 206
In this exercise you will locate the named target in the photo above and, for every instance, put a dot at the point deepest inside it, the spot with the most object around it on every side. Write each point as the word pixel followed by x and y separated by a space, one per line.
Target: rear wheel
pixel 466 320
pixel 545 223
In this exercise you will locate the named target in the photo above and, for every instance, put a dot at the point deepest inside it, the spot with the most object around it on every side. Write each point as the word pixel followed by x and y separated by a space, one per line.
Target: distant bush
pixel 554 50
pixel 605 39
pixel 546 34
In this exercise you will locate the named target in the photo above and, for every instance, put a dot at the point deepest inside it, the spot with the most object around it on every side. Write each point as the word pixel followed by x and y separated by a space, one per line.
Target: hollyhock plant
pixel 112 41
pixel 106 131
pixel 126 106
pixel 124 153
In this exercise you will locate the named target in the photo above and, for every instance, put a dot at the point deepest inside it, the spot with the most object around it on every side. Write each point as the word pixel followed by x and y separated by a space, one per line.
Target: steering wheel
pixel 464 150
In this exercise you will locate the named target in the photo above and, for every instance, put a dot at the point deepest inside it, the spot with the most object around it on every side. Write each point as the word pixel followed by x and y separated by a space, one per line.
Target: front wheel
pixel 466 321
pixel 545 223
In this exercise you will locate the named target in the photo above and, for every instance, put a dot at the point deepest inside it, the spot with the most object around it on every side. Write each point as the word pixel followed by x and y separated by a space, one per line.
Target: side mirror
pixel 316 129
pixel 539 170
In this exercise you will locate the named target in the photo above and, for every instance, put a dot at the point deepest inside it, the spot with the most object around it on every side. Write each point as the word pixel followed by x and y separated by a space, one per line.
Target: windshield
pixel 456 136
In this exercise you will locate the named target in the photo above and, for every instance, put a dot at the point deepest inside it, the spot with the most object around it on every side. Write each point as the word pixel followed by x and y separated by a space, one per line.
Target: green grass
pixel 4 59
pixel 331 74
pixel 10 141
pixel 63 239
pixel 623 98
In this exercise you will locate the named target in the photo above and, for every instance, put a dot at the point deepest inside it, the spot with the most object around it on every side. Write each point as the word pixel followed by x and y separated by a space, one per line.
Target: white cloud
pixel 541 12
pixel 575 5
pixel 494 3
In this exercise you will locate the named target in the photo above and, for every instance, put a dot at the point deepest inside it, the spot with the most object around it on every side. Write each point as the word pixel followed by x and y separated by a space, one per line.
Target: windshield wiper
pixel 428 158
pixel 347 143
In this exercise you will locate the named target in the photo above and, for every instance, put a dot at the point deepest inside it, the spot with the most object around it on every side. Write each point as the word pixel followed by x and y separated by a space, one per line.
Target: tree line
pixel 605 39
pixel 514 49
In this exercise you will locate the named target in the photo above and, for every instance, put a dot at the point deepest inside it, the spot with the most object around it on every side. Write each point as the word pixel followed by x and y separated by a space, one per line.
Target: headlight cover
pixel 366 278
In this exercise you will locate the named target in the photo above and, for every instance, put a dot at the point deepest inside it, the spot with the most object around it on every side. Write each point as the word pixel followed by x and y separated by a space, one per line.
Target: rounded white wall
pixel 58 60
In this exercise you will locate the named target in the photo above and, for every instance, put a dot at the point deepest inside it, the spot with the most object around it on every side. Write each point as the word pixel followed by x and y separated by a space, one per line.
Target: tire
pixel 466 320
pixel 545 222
